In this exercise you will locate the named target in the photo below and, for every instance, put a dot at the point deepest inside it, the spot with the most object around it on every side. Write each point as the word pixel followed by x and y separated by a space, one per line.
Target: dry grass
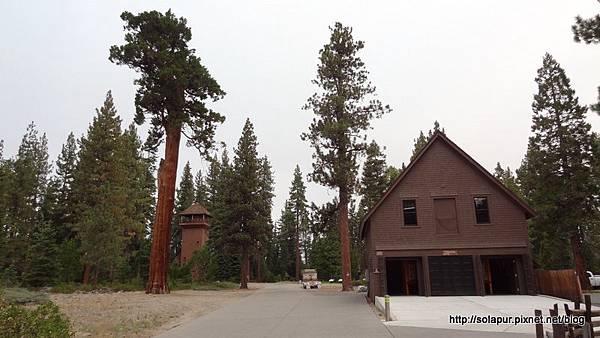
pixel 136 314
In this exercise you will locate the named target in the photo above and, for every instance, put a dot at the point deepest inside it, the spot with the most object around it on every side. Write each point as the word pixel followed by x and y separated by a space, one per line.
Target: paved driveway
pixel 286 310
pixel 421 313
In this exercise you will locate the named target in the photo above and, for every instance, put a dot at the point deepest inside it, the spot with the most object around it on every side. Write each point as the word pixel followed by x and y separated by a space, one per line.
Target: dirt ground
pixel 136 314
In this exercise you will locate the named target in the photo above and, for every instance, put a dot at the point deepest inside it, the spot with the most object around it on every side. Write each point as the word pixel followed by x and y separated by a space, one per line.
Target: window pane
pixel 409 208
pixel 481 203
pixel 482 213
pixel 483 216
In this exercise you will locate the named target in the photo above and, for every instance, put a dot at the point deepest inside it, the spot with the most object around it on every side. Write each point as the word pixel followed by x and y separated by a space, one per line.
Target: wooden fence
pixel 585 329
pixel 559 283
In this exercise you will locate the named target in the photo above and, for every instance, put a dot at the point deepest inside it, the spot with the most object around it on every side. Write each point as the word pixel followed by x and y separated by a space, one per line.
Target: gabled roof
pixel 439 136
pixel 195 209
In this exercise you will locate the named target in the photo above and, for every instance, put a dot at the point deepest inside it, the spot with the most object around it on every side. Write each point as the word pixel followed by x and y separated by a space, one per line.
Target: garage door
pixel 451 276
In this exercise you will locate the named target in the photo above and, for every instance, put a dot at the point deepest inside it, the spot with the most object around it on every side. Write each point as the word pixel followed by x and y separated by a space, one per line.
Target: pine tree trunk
pixel 259 261
pixel 161 232
pixel 297 244
pixel 244 269
pixel 251 276
pixel 86 274
pixel 344 240
pixel 579 261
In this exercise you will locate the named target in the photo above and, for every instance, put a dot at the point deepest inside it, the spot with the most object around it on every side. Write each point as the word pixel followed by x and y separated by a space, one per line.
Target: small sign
pixel 449 253
pixel 379 253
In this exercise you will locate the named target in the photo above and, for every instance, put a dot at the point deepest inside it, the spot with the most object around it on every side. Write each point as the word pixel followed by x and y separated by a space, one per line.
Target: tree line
pixel 83 217
pixel 90 215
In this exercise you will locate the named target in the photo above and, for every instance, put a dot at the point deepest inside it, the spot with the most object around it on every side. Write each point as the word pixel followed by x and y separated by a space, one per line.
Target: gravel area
pixel 136 314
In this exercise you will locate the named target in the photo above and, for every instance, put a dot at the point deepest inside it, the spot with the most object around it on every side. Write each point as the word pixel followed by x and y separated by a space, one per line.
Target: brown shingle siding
pixel 440 173
pixel 444 171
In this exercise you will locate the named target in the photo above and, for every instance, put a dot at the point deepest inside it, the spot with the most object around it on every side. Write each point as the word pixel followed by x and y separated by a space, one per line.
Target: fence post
pixel 588 314
pixel 539 328
pixel 558 330
pixel 387 308
pixel 587 329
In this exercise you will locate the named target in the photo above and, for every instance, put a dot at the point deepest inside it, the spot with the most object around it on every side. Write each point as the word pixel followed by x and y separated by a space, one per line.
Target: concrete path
pixel 286 310
pixel 426 313
pixel 422 332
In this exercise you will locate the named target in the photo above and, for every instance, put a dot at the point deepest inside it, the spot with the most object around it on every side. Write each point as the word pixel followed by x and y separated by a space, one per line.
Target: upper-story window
pixel 482 210
pixel 409 208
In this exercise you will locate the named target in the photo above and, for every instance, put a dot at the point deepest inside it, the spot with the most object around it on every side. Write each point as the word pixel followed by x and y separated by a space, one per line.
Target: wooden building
pixel 446 226
pixel 194 222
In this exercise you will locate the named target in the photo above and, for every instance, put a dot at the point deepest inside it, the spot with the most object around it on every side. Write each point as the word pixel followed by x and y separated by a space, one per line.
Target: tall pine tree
pixel 107 205
pixel 28 188
pixel 249 218
pixel 297 205
pixel 219 199
pixel 557 173
pixel 344 108
pixel 173 88
pixel 265 207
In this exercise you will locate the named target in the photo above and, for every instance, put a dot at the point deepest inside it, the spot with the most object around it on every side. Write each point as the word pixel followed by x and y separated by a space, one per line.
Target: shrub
pixel 202 265
pixel 45 320
pixel 179 273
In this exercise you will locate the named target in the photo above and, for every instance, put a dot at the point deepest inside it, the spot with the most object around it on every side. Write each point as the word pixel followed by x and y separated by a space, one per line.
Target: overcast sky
pixel 468 64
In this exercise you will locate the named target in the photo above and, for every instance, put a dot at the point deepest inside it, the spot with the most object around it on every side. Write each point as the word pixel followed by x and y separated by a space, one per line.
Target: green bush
pixel 180 273
pixel 45 320
pixel 203 265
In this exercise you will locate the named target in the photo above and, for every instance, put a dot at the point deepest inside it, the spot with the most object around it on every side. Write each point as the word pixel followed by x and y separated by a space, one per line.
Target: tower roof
pixel 195 209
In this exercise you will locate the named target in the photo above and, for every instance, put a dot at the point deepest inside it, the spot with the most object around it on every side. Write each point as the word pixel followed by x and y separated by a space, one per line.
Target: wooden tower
pixel 194 222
